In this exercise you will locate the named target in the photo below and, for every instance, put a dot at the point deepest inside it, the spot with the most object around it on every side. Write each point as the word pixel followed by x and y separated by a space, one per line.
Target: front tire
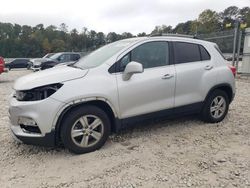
pixel 85 129
pixel 216 107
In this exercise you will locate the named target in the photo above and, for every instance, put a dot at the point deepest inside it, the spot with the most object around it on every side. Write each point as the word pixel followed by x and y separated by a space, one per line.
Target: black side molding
pixel 189 109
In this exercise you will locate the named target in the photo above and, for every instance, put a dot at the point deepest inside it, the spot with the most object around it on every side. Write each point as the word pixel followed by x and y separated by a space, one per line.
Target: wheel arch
pixel 224 87
pixel 101 103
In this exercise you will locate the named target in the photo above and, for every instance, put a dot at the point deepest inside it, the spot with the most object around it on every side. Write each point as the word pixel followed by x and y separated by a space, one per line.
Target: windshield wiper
pixel 73 65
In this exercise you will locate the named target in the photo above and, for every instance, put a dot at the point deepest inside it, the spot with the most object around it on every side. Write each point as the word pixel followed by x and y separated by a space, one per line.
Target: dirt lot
pixel 175 153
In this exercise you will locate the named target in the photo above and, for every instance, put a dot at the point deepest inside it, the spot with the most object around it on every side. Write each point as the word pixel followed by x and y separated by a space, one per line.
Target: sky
pixel 120 16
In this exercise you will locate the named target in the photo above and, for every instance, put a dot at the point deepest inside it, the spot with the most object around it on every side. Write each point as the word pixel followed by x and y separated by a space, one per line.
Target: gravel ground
pixel 174 153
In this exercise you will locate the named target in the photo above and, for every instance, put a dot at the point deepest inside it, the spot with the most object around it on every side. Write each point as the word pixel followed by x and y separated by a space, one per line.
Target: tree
pixel 208 21
pixel 126 35
pixel 162 29
pixel 143 34
pixel 57 45
pixel 245 15
pixel 100 39
pixel 112 37
pixel 46 46
pixel 228 16
pixel 184 28
pixel 63 27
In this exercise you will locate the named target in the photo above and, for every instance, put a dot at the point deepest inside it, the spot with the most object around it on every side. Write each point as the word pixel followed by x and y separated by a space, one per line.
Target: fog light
pixel 26 121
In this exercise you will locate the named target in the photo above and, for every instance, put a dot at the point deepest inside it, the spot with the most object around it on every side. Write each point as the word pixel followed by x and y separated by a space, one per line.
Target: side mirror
pixel 132 68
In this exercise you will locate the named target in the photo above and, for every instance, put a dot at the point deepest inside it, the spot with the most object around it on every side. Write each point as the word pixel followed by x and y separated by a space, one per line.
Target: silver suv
pixel 117 85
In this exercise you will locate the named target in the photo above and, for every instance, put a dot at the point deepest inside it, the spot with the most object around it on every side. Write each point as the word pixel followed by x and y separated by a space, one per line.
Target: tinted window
pixel 64 58
pixel 204 54
pixel 186 52
pixel 20 61
pixel 75 57
pixel 152 54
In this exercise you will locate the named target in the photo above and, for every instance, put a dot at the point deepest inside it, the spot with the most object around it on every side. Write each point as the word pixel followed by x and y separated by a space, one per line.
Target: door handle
pixel 208 67
pixel 167 76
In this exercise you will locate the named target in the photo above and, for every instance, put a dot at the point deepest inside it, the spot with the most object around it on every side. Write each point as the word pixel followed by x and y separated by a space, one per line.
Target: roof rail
pixel 173 35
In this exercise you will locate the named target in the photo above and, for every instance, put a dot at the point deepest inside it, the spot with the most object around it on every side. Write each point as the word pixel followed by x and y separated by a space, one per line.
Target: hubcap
pixel 218 107
pixel 87 131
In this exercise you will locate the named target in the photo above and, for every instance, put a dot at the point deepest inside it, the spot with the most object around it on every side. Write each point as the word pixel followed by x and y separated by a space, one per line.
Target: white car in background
pixel 117 85
pixel 36 62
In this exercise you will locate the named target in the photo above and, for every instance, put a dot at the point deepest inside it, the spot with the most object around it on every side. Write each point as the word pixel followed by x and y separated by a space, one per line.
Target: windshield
pixel 102 54
pixel 55 56
pixel 48 55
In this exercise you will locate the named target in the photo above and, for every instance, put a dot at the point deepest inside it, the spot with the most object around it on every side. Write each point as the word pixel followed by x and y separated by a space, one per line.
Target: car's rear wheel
pixel 85 129
pixel 216 107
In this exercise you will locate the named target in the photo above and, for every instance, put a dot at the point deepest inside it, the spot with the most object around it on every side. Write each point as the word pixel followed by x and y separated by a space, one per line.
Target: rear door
pixel 152 90
pixel 194 73
pixel 22 63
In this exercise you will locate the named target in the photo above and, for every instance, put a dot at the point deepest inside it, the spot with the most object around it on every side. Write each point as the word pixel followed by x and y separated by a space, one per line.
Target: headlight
pixel 38 93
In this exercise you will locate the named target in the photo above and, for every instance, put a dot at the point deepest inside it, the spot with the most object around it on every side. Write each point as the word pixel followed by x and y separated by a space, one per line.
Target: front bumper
pixel 48 140
pixel 42 112
pixel 35 68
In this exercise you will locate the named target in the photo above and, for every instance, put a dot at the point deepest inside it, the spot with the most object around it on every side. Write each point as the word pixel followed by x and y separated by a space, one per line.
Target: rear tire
pixel 216 107
pixel 85 129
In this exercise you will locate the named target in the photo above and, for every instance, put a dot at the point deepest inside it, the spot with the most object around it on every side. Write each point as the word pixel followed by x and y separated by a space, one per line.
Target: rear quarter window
pixel 204 54
pixel 186 52
pixel 218 50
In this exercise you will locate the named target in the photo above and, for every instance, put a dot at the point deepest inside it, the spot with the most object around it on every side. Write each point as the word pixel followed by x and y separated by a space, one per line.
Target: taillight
pixel 233 69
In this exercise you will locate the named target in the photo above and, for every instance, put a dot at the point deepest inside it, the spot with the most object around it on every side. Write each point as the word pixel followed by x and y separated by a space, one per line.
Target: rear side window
pixel 186 52
pixel 204 54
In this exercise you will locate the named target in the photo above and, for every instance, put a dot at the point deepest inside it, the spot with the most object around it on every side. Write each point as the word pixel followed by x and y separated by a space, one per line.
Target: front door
pixel 152 90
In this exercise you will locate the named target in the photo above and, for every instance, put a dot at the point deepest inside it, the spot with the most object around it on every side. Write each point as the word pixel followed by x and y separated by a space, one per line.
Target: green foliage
pixel 27 41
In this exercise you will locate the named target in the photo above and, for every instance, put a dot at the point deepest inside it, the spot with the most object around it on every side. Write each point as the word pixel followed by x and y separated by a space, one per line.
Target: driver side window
pixel 151 54
pixel 64 58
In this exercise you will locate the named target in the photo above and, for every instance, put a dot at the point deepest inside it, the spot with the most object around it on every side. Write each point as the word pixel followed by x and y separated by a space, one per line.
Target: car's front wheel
pixel 216 107
pixel 85 129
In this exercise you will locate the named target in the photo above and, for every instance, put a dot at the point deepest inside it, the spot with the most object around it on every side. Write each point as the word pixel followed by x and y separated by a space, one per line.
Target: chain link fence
pixel 224 39
pixel 230 42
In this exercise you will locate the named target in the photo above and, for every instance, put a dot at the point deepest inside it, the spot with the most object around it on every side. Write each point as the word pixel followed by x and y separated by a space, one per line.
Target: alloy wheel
pixel 218 107
pixel 87 131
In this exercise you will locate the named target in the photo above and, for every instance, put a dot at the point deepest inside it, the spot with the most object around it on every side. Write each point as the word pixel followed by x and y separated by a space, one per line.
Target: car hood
pixel 50 76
